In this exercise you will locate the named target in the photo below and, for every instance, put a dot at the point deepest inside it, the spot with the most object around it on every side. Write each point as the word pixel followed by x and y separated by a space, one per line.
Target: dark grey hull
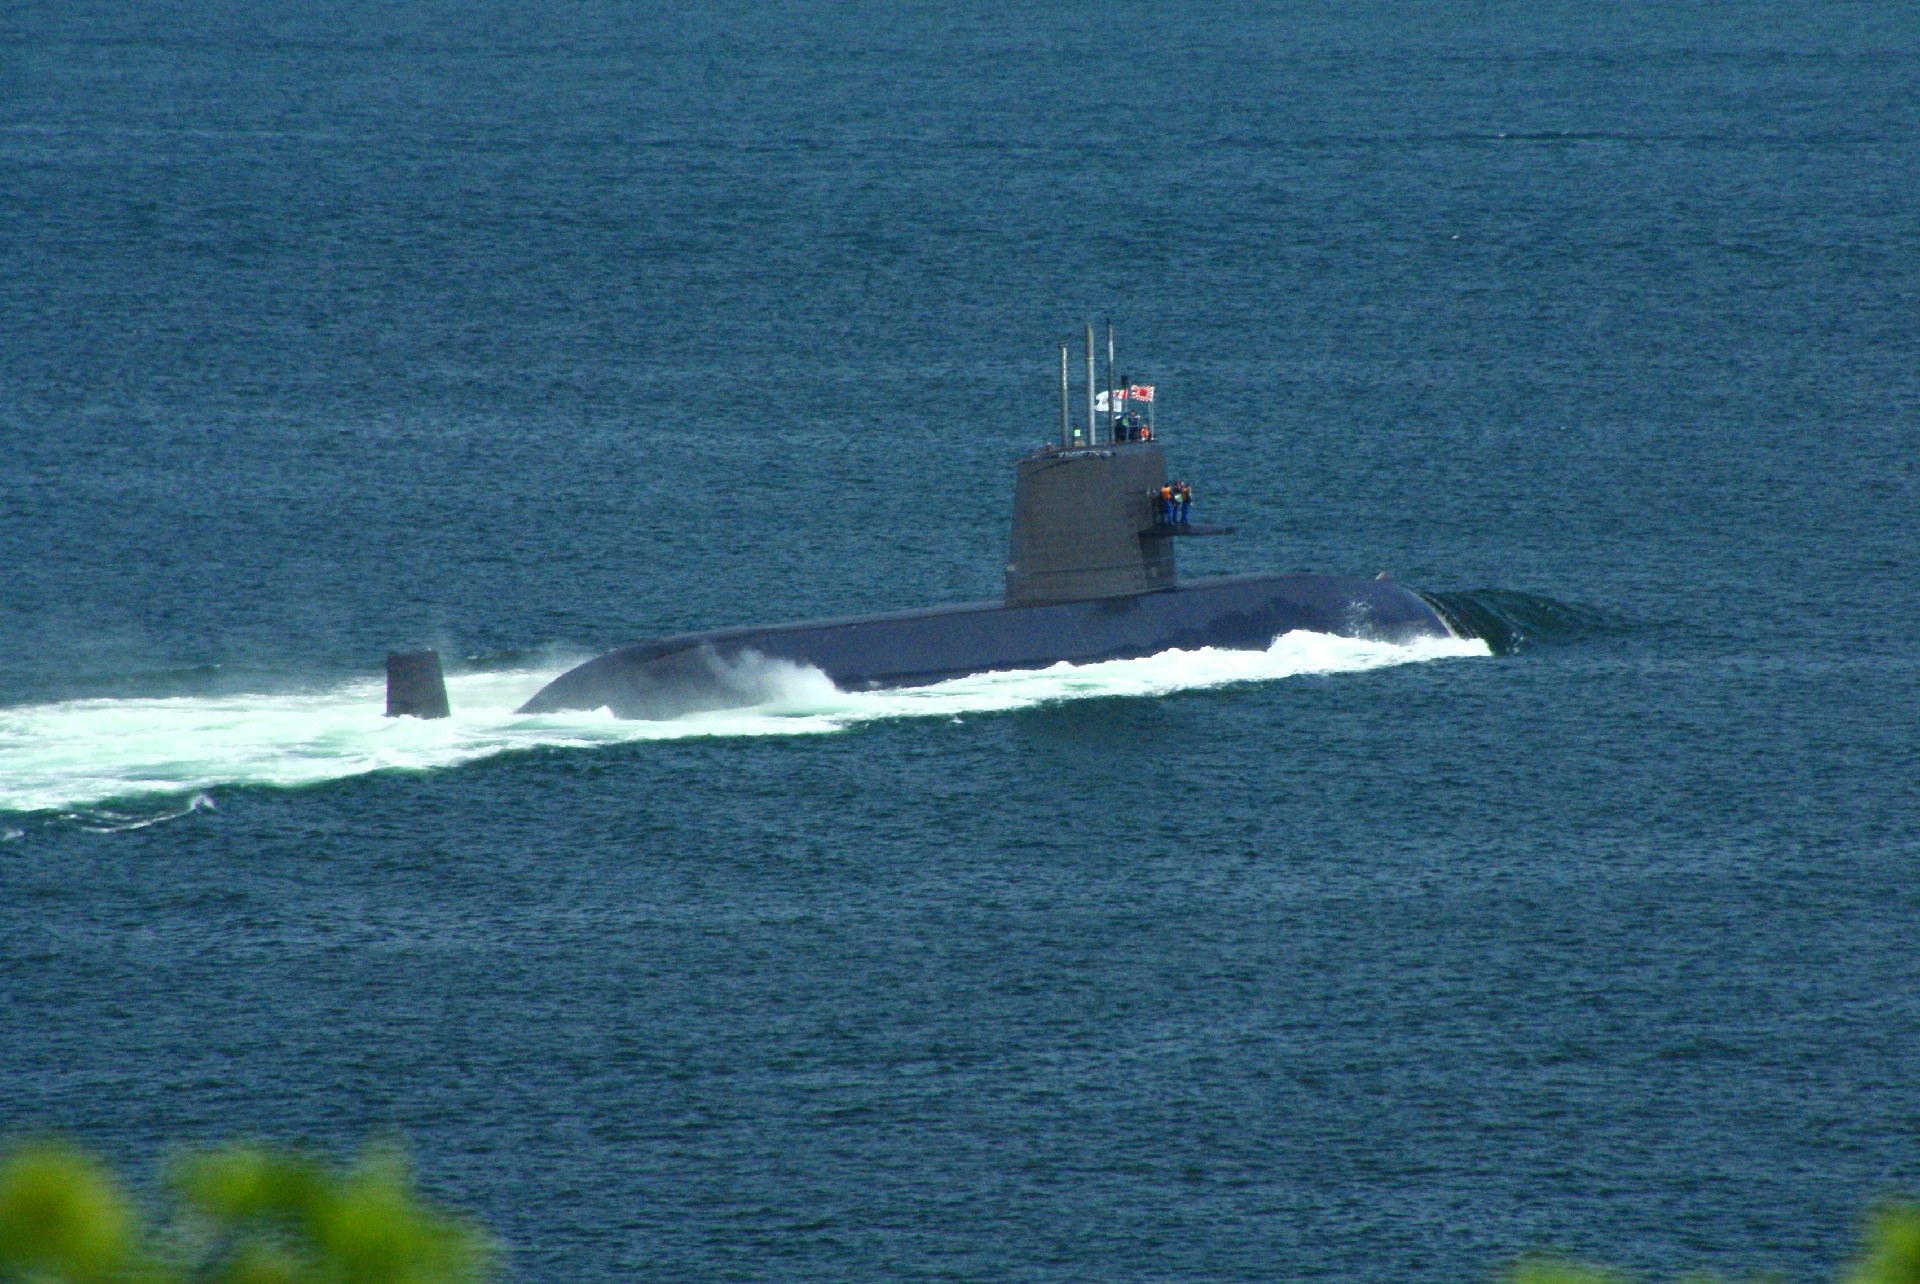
pixel 726 668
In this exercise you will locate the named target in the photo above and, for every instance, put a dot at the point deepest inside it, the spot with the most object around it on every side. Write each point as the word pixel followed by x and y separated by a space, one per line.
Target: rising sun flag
pixel 1120 396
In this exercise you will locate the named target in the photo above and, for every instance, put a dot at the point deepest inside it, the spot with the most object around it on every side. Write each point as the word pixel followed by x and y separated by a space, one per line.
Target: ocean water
pixel 527 331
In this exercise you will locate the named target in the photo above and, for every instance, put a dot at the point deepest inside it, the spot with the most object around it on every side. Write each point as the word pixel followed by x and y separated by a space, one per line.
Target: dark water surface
pixel 524 331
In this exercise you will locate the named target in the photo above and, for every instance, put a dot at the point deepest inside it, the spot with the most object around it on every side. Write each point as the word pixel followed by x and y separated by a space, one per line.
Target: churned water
pixel 77 753
pixel 528 331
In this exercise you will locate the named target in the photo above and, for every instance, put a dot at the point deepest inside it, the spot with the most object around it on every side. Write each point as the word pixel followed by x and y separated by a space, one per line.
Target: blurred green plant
pixel 1893 1247
pixel 245 1215
pixel 264 1215
pixel 1892 1256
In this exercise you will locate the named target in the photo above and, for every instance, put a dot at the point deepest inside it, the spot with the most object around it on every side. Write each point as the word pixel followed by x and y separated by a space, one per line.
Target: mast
pixel 1066 434
pixel 1091 421
pixel 1110 417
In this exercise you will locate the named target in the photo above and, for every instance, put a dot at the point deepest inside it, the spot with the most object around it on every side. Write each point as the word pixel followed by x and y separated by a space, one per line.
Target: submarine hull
pixel 728 668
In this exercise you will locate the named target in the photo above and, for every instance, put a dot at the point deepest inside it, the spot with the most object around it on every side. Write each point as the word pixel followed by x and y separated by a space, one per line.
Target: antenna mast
pixel 1066 434
pixel 1110 387
pixel 1091 421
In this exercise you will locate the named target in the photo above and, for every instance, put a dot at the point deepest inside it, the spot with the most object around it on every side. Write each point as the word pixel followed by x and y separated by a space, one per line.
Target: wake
pixel 84 753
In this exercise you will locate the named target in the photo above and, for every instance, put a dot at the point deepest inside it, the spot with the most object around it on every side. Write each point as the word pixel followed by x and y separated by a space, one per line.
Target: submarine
pixel 1090 576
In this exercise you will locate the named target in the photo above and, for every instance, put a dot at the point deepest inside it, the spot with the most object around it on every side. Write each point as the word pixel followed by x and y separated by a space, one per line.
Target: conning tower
pixel 1085 520
pixel 1084 525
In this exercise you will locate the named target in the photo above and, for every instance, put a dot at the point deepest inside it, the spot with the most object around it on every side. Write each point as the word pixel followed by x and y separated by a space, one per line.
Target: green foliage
pixel 62 1217
pixel 1893 1248
pixel 1553 1271
pixel 261 1215
pixel 247 1215
pixel 1892 1256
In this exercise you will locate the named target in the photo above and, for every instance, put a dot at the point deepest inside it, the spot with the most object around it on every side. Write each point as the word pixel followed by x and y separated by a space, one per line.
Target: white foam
pixel 84 752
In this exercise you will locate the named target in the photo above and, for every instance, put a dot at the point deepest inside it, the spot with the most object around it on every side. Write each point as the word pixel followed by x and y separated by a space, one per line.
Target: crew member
pixel 1185 501
pixel 1165 496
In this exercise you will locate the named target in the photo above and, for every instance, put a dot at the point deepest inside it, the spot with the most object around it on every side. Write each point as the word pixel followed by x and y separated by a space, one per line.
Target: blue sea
pixel 527 331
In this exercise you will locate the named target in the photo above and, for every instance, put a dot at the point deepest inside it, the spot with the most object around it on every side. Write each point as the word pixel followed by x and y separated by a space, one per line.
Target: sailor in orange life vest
pixel 1164 499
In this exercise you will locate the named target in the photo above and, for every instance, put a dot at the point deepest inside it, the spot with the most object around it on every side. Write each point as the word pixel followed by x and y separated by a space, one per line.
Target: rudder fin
pixel 416 686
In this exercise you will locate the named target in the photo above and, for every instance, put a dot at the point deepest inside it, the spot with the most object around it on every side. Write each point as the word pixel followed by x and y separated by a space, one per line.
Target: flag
pixel 1139 392
pixel 1100 399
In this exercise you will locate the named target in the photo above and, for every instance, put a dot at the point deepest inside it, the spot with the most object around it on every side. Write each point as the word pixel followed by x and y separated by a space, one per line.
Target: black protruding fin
pixel 416 688
pixel 1184 530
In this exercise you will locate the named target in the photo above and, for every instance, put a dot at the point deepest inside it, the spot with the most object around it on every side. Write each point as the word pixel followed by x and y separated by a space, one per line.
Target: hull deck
pixel 727 668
